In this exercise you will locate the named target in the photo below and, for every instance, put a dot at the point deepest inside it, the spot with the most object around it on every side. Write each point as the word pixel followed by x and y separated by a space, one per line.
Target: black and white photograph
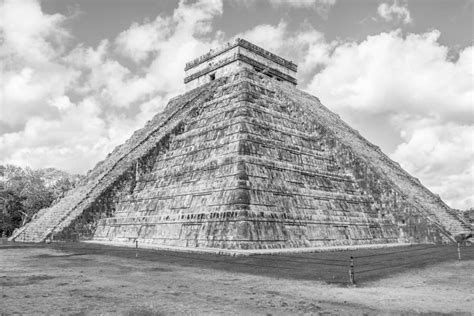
pixel 236 157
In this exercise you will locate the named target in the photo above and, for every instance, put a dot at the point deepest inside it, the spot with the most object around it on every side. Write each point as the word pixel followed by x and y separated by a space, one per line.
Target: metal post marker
pixel 459 252
pixel 136 248
pixel 351 272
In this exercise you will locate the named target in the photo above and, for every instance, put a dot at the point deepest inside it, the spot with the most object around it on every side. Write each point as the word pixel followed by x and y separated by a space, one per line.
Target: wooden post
pixel 352 272
pixel 459 252
pixel 136 248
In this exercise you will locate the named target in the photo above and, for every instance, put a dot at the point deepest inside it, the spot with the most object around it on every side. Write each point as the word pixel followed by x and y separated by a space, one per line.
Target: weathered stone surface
pixel 111 171
pixel 248 162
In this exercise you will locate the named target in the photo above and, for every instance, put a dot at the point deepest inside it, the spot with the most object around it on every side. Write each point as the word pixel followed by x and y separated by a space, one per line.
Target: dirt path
pixel 47 281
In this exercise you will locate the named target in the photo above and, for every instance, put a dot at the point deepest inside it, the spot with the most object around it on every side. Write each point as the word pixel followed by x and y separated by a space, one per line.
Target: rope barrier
pixel 419 256
pixel 168 253
pixel 311 258
pixel 402 251
pixel 466 249
pixel 408 261
pixel 310 261
pixel 236 261
pixel 416 262
pixel 226 260
pixel 434 251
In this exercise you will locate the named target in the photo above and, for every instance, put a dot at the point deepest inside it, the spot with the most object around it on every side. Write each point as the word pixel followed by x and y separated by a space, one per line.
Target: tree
pixel 10 212
pixel 61 187
pixel 30 188
pixel 23 192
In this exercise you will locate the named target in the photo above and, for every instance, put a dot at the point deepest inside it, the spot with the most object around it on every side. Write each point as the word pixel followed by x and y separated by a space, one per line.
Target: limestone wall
pixel 250 171
pixel 422 201
pixel 244 163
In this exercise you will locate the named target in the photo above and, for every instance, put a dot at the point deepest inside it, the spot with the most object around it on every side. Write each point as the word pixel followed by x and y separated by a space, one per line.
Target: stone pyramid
pixel 245 160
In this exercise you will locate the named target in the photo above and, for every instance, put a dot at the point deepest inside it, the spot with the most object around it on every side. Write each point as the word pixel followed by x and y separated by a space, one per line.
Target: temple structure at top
pixel 233 56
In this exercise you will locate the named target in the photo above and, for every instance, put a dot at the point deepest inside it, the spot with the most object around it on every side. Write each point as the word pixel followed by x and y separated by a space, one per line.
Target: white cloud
pixel 140 40
pixel 196 18
pixel 442 155
pixel 28 89
pixel 28 33
pixel 31 74
pixel 69 108
pixel 189 37
pixel 304 4
pixel 62 103
pixel 405 94
pixel 402 92
pixel 74 141
pixel 322 7
pixel 104 77
pixel 395 12
pixel 388 73
pixel 170 42
pixel 305 45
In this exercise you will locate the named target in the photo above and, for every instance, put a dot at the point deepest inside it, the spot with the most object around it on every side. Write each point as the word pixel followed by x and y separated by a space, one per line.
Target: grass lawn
pixel 90 279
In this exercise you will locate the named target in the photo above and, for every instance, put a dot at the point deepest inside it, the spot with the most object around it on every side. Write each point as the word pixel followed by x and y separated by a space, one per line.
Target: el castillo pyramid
pixel 245 160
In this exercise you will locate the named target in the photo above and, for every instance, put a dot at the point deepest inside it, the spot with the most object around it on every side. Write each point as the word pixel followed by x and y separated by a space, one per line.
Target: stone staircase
pixel 41 225
pixel 52 220
pixel 453 221
pixel 443 216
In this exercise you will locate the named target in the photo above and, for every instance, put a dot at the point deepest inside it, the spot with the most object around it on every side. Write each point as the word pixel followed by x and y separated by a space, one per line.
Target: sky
pixel 78 77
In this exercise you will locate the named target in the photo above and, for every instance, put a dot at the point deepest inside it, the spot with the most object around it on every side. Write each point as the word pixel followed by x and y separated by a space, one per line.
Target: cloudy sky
pixel 78 77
